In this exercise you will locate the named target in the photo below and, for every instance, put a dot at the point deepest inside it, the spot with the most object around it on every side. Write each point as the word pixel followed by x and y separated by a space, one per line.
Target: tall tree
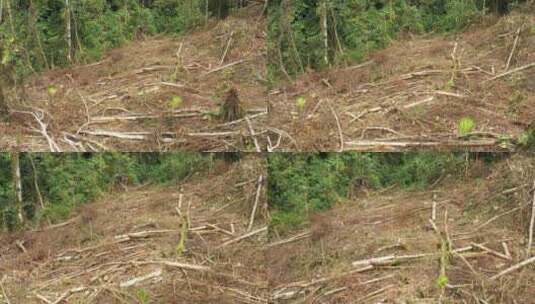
pixel 324 30
pixel 68 37
pixel 17 180
pixel 4 80
pixel 3 104
pixel 1 11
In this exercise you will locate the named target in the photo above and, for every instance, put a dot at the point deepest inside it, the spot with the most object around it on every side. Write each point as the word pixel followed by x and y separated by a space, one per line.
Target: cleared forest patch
pixel 159 93
pixel 454 242
pixel 416 93
pixel 193 242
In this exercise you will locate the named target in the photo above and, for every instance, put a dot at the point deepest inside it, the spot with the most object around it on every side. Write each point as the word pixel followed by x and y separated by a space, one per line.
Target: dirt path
pixel 156 94
pixel 387 247
pixel 413 94
pixel 126 248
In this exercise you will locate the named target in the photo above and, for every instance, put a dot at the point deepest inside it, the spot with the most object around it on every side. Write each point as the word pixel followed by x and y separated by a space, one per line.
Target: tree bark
pixel 15 167
pixel 1 11
pixel 68 37
pixel 324 30
pixel 4 111
pixel 32 23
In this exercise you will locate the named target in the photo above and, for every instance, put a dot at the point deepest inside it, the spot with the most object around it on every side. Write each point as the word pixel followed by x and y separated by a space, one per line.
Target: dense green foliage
pixel 34 34
pixel 301 184
pixel 68 180
pixel 354 27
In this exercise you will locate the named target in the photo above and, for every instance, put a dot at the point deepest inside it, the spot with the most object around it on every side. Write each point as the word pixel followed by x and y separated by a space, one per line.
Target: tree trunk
pixel 4 111
pixel 15 167
pixel 32 23
pixel 68 37
pixel 1 11
pixel 324 30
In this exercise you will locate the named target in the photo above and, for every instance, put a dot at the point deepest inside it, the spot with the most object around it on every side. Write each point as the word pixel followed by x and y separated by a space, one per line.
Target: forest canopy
pixel 52 185
pixel 303 184
pixel 313 34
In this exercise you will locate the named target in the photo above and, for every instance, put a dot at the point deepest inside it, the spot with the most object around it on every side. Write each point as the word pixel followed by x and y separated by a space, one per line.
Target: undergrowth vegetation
pixel 313 34
pixel 301 184
pixel 73 179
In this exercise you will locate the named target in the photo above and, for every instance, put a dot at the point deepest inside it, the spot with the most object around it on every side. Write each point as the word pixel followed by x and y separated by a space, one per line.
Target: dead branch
pixel 531 222
pixel 247 235
pixel 513 49
pixel 143 234
pixel 358 66
pixel 20 244
pixel 339 126
pixel 216 228
pixel 392 259
pixel 420 102
pixel 135 281
pixel 256 200
pixel 89 142
pixel 225 66
pixel 253 134
pixel 272 147
pixel 154 68
pixel 398 146
pixel 167 136
pixel 492 252
pixel 39 116
pixel 381 129
pixel 525 67
pixel 174 114
pixel 246 297
pixel 213 134
pixel 4 291
pixel 176 265
pixel 174 85
pixel 68 293
pixel 363 113
pixel 513 268
pixel 294 238
pixel 66 223
pixel 450 94
pixel 42 298
pixel 491 220
pixel 226 48
pixel 374 293
pixel 230 123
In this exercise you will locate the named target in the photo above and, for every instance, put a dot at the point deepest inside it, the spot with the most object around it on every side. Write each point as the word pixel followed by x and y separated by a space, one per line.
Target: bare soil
pixel 330 261
pixel 124 246
pixel 413 94
pixel 155 94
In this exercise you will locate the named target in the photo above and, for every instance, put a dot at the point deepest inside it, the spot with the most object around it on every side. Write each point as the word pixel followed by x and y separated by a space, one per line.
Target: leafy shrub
pixel 466 125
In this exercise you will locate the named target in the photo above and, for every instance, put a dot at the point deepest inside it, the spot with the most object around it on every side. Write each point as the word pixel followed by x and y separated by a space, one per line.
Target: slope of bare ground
pixel 125 246
pixel 383 247
pixel 414 93
pixel 124 102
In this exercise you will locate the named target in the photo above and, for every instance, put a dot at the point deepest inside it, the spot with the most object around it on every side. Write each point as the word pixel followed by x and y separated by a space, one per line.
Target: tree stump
pixel 231 108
